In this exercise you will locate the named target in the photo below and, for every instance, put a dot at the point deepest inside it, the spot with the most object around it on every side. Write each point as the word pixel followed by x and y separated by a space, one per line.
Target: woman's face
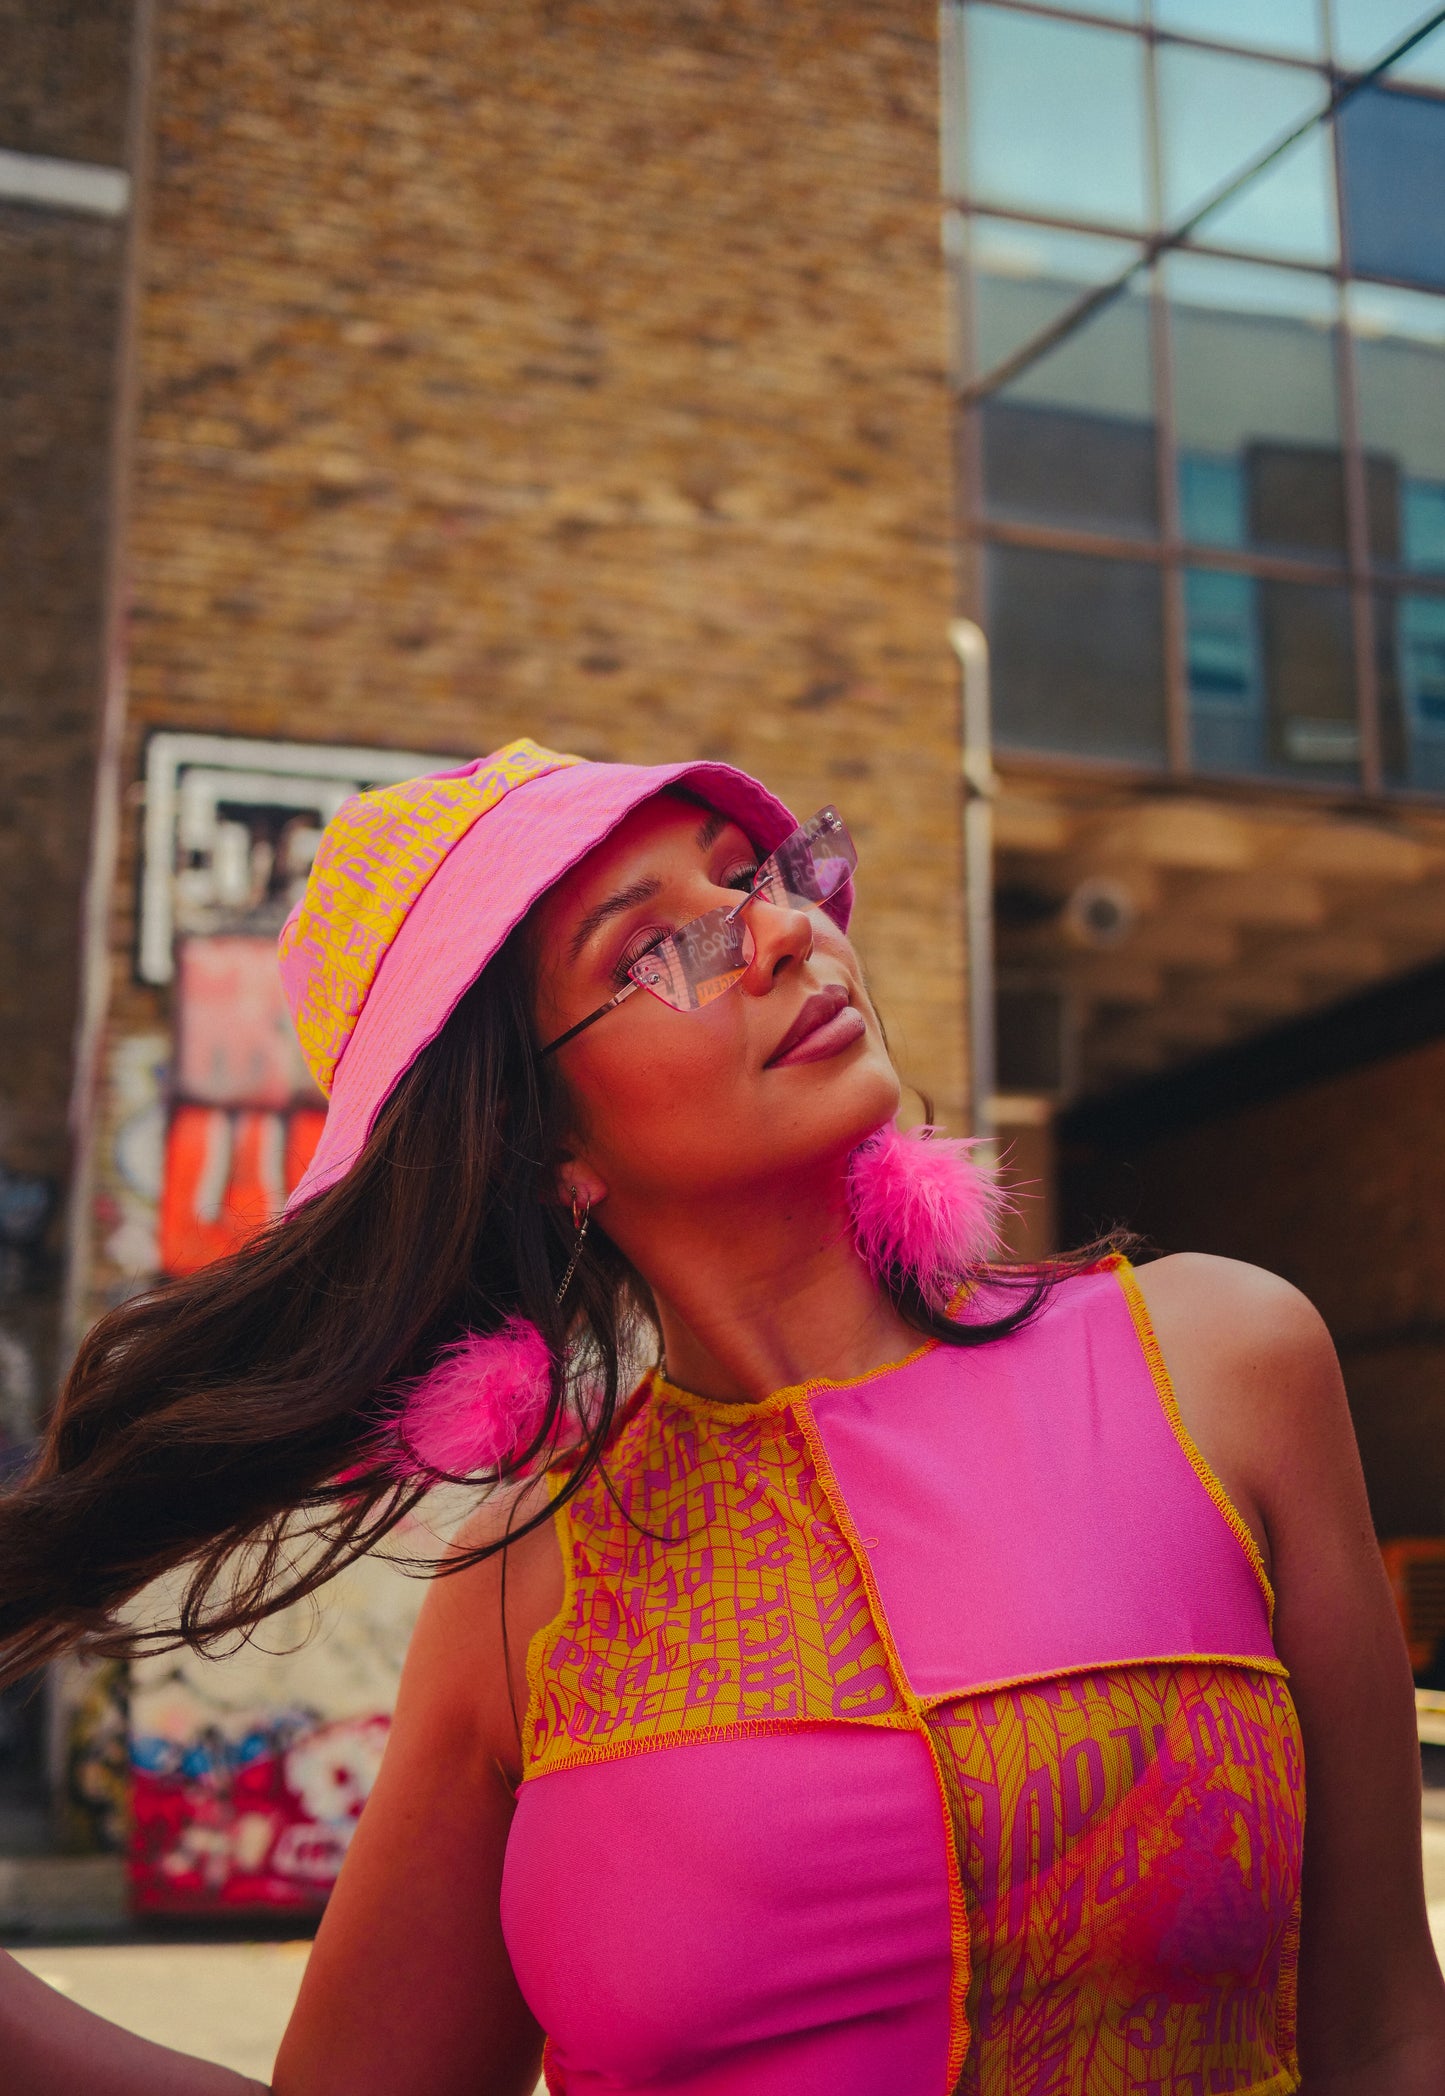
pixel 679 1104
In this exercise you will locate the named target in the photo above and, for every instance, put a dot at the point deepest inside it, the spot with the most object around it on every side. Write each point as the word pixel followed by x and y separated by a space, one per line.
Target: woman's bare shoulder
pixel 1256 1379
pixel 1237 1310
pixel 478 1622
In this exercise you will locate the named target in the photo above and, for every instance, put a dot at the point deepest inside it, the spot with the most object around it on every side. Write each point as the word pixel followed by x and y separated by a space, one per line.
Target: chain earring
pixel 581 1217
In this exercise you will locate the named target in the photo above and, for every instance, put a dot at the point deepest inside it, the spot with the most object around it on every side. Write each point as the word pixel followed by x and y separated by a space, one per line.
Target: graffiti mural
pixel 137 1073
pixel 231 828
pixel 249 1773
pixel 246 1775
pixel 245 1114
pixel 90 1705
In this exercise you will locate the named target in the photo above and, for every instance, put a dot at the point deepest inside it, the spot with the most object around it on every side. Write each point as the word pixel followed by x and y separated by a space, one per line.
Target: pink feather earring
pixel 485 1397
pixel 923 1208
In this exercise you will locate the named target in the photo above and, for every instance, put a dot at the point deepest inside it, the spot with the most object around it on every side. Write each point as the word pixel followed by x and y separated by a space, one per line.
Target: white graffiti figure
pixel 331 1770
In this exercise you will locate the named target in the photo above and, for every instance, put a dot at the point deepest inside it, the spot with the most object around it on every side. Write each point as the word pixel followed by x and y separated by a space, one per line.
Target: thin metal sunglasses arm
pixel 601 1012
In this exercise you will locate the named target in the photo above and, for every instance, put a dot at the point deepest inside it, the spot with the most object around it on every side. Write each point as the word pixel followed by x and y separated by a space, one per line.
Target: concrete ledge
pixel 62 1892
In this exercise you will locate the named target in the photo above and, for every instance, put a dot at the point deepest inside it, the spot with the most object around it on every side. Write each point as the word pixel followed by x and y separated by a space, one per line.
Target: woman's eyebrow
pixel 640 891
pixel 624 899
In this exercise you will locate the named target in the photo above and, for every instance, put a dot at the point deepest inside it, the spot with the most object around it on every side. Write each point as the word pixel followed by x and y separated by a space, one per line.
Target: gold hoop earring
pixel 581 1217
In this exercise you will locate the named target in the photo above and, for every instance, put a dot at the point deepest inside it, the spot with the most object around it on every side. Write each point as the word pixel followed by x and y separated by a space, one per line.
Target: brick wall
pixel 565 369
pixel 63 90
pixel 64 79
pixel 1341 1188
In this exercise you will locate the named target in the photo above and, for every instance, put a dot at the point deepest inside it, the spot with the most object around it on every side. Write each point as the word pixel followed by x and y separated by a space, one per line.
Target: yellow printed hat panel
pixel 377 854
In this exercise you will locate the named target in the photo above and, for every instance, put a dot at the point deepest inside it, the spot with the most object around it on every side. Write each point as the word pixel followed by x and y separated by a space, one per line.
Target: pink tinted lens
pixel 811 865
pixel 706 956
pixel 697 963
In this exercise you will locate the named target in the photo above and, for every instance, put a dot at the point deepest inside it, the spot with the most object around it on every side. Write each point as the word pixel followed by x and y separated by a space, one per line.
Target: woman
pixel 889 1695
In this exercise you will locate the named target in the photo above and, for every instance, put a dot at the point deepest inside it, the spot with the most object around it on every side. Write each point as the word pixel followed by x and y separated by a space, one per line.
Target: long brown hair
pixel 239 1421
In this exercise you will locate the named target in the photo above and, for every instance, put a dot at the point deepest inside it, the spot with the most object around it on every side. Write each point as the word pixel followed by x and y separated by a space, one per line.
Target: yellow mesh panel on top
pixel 1129 1843
pixel 729 1599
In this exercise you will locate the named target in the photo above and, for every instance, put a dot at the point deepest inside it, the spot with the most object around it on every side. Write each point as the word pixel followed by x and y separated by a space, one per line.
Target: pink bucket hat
pixel 416 886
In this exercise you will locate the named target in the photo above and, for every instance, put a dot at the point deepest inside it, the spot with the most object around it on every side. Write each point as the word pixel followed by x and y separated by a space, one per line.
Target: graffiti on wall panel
pixel 249 1773
pixel 257 1812
pixel 246 1774
pixel 137 1071
pixel 245 1116
pixel 235 1037
pixel 90 1715
pixel 232 825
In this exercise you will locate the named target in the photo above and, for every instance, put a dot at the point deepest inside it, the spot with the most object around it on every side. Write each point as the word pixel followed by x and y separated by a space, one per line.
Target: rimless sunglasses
pixel 706 956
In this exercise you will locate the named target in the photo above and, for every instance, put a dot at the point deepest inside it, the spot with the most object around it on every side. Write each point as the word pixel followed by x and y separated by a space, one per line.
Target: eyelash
pixel 741 878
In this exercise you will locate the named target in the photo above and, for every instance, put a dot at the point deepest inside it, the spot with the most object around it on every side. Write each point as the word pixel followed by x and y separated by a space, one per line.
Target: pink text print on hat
pixel 416 886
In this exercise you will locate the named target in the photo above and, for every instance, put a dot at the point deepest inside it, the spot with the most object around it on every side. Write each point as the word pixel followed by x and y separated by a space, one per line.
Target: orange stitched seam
pixel 838 1507
pixel 1149 1344
pixel 707 1735
pixel 1287 1999
pixel 957 1910
pixel 545 1634
pixel 960 1944
pixel 1246 1665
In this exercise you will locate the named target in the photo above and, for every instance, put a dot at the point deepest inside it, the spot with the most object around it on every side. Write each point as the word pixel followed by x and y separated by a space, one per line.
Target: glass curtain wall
pixel 1211 513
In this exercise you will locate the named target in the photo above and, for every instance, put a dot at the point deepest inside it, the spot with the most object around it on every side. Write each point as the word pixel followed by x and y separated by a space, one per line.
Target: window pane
pixel 1392 159
pixel 1218 113
pixel 1284 25
pixel 1410 650
pixel 1400 359
pixel 1055 117
pixel 1078 655
pixel 1226 711
pixel 1072 440
pixel 1271 677
pixel 1366 29
pixel 1256 404
pixel 1116 10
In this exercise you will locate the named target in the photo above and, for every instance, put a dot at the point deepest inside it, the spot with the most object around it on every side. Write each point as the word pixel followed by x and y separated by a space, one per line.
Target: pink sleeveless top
pixel 914 1734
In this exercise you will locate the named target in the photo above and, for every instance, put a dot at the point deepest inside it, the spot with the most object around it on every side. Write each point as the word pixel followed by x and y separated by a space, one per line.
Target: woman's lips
pixel 825 1026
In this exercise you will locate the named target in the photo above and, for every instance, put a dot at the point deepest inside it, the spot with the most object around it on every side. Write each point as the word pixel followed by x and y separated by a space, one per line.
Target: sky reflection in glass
pixel 1055 117
pixel 1366 29
pixel 1293 26
pixel 1217 113
pixel 1072 441
pixel 1113 10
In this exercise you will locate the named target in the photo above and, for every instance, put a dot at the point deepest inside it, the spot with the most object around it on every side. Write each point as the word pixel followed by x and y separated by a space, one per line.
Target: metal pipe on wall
pixel 970 645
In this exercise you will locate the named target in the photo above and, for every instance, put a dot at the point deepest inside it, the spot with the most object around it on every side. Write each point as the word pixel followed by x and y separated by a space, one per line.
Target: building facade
pixel 574 371
pixel 1199 352
pixel 598 372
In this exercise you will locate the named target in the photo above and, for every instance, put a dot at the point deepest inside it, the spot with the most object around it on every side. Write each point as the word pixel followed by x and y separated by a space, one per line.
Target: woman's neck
pixel 767 1296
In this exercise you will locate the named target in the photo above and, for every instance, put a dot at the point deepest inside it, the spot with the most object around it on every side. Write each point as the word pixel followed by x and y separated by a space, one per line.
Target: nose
pixel 780 938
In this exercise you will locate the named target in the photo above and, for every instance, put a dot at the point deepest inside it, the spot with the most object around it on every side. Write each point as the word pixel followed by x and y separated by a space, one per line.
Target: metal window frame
pixel 1356 573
